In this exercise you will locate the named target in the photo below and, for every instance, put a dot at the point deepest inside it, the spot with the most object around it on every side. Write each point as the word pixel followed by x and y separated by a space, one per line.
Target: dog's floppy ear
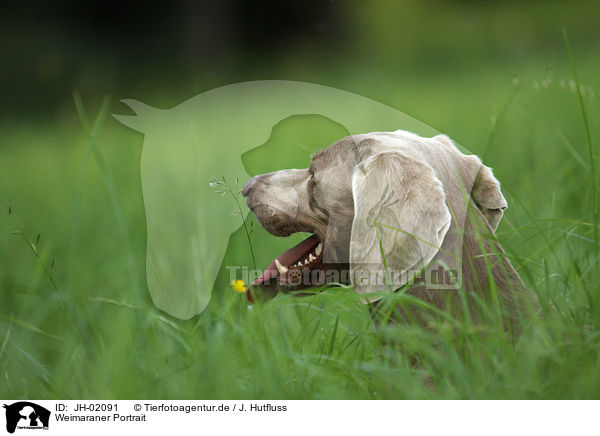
pixel 400 219
pixel 488 197
pixel 472 179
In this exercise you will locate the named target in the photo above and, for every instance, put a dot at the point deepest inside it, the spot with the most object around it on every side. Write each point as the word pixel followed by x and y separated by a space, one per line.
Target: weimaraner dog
pixel 391 211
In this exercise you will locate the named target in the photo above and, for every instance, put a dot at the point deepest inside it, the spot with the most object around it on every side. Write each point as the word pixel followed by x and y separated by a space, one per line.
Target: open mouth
pixel 292 265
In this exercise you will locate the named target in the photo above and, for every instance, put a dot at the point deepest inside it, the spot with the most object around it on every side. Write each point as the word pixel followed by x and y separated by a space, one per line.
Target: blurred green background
pixel 76 320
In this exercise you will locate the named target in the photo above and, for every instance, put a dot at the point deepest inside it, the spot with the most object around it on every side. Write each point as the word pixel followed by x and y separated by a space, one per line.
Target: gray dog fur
pixel 412 202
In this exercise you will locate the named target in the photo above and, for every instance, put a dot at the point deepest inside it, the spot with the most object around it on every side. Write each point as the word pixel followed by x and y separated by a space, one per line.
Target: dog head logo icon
pixel 26 415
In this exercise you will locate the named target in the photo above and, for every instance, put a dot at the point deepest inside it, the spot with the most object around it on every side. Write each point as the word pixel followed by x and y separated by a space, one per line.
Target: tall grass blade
pixel 589 140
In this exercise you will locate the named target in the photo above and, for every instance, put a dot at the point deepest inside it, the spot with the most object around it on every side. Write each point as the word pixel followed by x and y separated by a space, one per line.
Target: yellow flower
pixel 238 286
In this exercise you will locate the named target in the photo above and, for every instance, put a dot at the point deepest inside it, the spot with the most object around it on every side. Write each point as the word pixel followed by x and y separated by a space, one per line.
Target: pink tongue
pixel 287 258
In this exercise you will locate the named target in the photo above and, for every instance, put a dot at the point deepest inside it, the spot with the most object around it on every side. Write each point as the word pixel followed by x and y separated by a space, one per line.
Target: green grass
pixel 76 320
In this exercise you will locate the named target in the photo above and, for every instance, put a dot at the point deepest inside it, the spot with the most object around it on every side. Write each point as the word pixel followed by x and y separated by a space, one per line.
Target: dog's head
pixel 385 200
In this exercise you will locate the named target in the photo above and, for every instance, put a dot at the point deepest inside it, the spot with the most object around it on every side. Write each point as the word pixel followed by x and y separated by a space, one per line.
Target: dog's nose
pixel 248 186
